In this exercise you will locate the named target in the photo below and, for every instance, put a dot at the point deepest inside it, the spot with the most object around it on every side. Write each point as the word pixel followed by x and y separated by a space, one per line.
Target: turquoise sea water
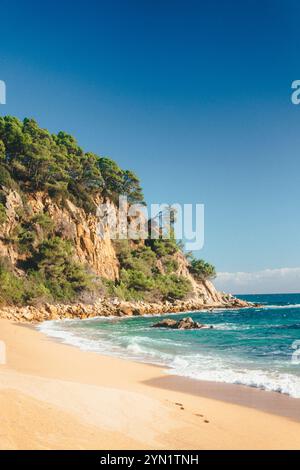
pixel 249 346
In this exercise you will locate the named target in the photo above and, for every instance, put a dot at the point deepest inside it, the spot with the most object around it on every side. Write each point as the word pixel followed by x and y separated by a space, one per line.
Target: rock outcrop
pixel 186 323
pixel 104 308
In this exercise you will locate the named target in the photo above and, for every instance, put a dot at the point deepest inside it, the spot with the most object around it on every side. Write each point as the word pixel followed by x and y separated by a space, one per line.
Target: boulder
pixel 186 323
pixel 125 310
pixel 167 323
pixel 137 312
pixel 28 316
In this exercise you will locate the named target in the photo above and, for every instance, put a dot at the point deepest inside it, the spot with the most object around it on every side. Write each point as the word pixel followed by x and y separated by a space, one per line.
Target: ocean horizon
pixel 250 346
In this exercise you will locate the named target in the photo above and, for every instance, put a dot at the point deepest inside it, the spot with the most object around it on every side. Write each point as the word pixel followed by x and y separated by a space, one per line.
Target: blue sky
pixel 194 96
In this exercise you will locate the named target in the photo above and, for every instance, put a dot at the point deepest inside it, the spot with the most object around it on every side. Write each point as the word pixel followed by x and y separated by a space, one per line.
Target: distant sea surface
pixel 252 346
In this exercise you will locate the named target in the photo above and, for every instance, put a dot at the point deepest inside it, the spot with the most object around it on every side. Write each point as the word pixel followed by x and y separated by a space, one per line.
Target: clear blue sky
pixel 192 95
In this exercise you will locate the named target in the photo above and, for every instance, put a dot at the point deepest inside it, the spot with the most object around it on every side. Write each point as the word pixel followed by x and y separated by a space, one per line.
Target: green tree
pixel 2 151
pixel 131 187
pixel 202 270
pixel 37 160
pixel 112 176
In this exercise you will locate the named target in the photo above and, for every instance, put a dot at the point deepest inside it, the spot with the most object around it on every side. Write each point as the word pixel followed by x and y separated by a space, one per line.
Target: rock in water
pixel 189 324
pixel 167 323
pixel 186 323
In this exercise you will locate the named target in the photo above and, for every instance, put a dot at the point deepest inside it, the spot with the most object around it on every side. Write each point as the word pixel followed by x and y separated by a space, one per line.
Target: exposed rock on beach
pixel 186 323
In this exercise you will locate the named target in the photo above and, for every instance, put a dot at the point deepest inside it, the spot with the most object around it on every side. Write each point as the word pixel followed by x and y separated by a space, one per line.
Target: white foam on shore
pixel 204 366
pixel 257 378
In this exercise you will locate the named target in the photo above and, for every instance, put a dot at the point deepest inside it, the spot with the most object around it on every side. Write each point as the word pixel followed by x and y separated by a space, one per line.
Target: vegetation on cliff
pixel 32 159
pixel 202 270
pixel 45 269
pixel 149 272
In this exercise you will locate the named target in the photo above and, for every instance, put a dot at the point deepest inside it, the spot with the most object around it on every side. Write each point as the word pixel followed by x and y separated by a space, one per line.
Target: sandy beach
pixel 54 396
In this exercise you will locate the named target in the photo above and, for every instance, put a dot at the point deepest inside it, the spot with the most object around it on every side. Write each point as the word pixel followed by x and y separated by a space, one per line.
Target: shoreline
pixel 269 401
pixel 54 396
pixel 114 307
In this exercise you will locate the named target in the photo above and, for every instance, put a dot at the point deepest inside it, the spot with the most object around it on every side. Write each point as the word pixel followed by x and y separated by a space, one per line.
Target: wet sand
pixel 270 402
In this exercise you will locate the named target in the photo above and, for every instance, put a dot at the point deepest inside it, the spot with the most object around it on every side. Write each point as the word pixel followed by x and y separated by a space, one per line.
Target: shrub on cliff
pixel 21 290
pixel 164 247
pixel 2 213
pixel 141 259
pixel 149 272
pixel 32 230
pixel 11 286
pixel 173 287
pixel 202 270
pixel 51 274
pixel 63 278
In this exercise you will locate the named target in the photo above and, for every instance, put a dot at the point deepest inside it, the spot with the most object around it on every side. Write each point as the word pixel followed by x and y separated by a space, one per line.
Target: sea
pixel 258 347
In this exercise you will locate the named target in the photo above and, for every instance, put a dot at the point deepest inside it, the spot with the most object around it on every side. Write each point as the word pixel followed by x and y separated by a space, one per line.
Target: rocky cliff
pixel 53 263
pixel 71 223
pixel 74 224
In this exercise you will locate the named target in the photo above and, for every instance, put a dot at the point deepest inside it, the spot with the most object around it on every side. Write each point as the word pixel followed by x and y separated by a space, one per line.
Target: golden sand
pixel 54 396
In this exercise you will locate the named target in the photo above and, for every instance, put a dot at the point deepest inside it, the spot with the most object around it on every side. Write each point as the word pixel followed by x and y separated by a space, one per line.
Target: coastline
pixel 55 396
pixel 117 308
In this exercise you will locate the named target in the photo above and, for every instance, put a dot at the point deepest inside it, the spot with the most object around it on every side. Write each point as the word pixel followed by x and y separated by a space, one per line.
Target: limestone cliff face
pixel 71 223
pixel 13 205
pixel 202 290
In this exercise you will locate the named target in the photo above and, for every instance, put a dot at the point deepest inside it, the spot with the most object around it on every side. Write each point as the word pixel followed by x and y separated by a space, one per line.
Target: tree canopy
pixel 202 270
pixel 38 160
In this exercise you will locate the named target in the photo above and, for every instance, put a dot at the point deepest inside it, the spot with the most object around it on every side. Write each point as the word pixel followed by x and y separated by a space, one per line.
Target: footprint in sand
pixel 180 404
pixel 202 416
